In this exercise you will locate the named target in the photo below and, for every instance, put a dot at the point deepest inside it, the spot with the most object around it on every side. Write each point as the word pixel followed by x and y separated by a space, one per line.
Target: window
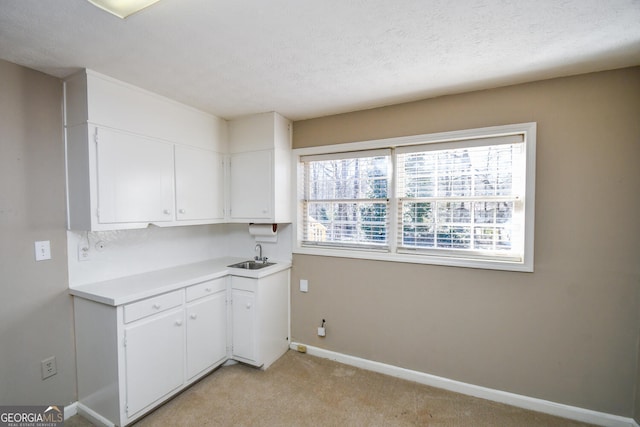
pixel 346 201
pixel 460 198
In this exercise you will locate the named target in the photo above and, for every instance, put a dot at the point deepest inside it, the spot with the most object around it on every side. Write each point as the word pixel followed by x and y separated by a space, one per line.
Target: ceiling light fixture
pixel 122 8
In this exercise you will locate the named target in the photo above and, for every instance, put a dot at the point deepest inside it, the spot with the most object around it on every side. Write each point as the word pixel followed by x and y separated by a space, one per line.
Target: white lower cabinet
pixel 260 317
pixel 132 357
pixel 244 323
pixel 206 332
pixel 154 357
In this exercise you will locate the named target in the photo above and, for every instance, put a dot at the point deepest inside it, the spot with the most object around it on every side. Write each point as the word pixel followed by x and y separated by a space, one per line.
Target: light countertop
pixel 139 286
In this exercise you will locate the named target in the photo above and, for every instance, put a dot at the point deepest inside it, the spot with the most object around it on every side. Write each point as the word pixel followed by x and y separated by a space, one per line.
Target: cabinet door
pixel 206 333
pixel 135 178
pixel 154 359
pixel 251 189
pixel 244 325
pixel 199 184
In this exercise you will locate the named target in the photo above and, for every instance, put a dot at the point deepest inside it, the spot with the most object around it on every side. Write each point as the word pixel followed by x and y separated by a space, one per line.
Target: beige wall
pixel 35 309
pixel 637 400
pixel 637 390
pixel 567 332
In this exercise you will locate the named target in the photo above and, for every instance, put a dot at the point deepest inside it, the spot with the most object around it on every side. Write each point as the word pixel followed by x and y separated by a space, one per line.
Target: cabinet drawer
pixel 149 306
pixel 203 289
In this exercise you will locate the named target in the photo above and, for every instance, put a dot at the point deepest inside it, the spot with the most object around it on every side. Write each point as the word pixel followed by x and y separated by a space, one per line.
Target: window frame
pixel 528 132
pixel 362 154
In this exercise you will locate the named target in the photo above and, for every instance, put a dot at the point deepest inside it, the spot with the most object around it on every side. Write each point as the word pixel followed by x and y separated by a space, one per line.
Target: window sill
pixel 448 261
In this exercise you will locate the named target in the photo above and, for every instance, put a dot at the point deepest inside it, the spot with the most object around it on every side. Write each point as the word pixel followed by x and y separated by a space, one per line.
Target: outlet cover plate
pixel 49 367
pixel 43 250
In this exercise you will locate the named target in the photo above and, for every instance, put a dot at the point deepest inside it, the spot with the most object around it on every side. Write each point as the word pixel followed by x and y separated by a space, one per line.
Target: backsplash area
pixel 113 254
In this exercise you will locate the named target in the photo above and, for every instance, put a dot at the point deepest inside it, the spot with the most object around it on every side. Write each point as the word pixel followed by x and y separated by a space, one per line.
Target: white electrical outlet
pixel 322 330
pixel 84 254
pixel 48 367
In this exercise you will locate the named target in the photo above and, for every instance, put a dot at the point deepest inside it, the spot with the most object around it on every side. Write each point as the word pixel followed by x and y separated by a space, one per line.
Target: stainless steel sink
pixel 251 265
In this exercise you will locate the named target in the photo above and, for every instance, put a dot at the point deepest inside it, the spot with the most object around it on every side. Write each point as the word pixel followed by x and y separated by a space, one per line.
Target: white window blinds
pixel 462 198
pixel 346 199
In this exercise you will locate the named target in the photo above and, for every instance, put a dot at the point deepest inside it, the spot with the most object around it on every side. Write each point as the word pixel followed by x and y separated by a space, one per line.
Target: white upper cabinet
pixel 250 186
pixel 199 184
pixel 135 158
pixel 135 178
pixel 95 98
pixel 260 169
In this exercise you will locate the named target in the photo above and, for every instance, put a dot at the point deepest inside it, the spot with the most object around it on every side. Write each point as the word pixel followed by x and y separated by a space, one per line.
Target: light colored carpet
pixel 303 390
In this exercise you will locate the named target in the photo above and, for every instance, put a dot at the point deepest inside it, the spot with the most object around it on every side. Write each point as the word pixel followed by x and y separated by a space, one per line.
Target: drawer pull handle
pixel 194 316
pixel 181 211
pixel 207 289
pixel 157 306
pixel 178 322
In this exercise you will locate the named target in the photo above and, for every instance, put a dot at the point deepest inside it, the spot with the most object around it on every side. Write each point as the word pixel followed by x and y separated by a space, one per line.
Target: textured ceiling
pixel 307 59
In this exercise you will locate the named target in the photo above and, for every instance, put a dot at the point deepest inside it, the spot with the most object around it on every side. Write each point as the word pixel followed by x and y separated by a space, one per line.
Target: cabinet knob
pixel 166 212
pixel 178 322
pixel 248 305
pixel 181 211
pixel 194 316
pixel 157 306
pixel 207 289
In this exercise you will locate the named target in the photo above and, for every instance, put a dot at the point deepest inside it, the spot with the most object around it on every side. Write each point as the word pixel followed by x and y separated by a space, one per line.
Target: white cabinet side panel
pixel 282 186
pixel 283 129
pixel 79 178
pixel 282 169
pixel 75 96
pixel 274 317
pixel 97 357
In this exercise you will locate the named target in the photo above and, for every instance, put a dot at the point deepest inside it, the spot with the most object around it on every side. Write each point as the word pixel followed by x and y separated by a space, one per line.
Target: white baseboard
pixel 520 401
pixel 70 410
pixel 93 416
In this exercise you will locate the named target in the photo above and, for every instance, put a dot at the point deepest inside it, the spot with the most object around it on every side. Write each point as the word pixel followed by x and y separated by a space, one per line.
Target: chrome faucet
pixel 259 257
